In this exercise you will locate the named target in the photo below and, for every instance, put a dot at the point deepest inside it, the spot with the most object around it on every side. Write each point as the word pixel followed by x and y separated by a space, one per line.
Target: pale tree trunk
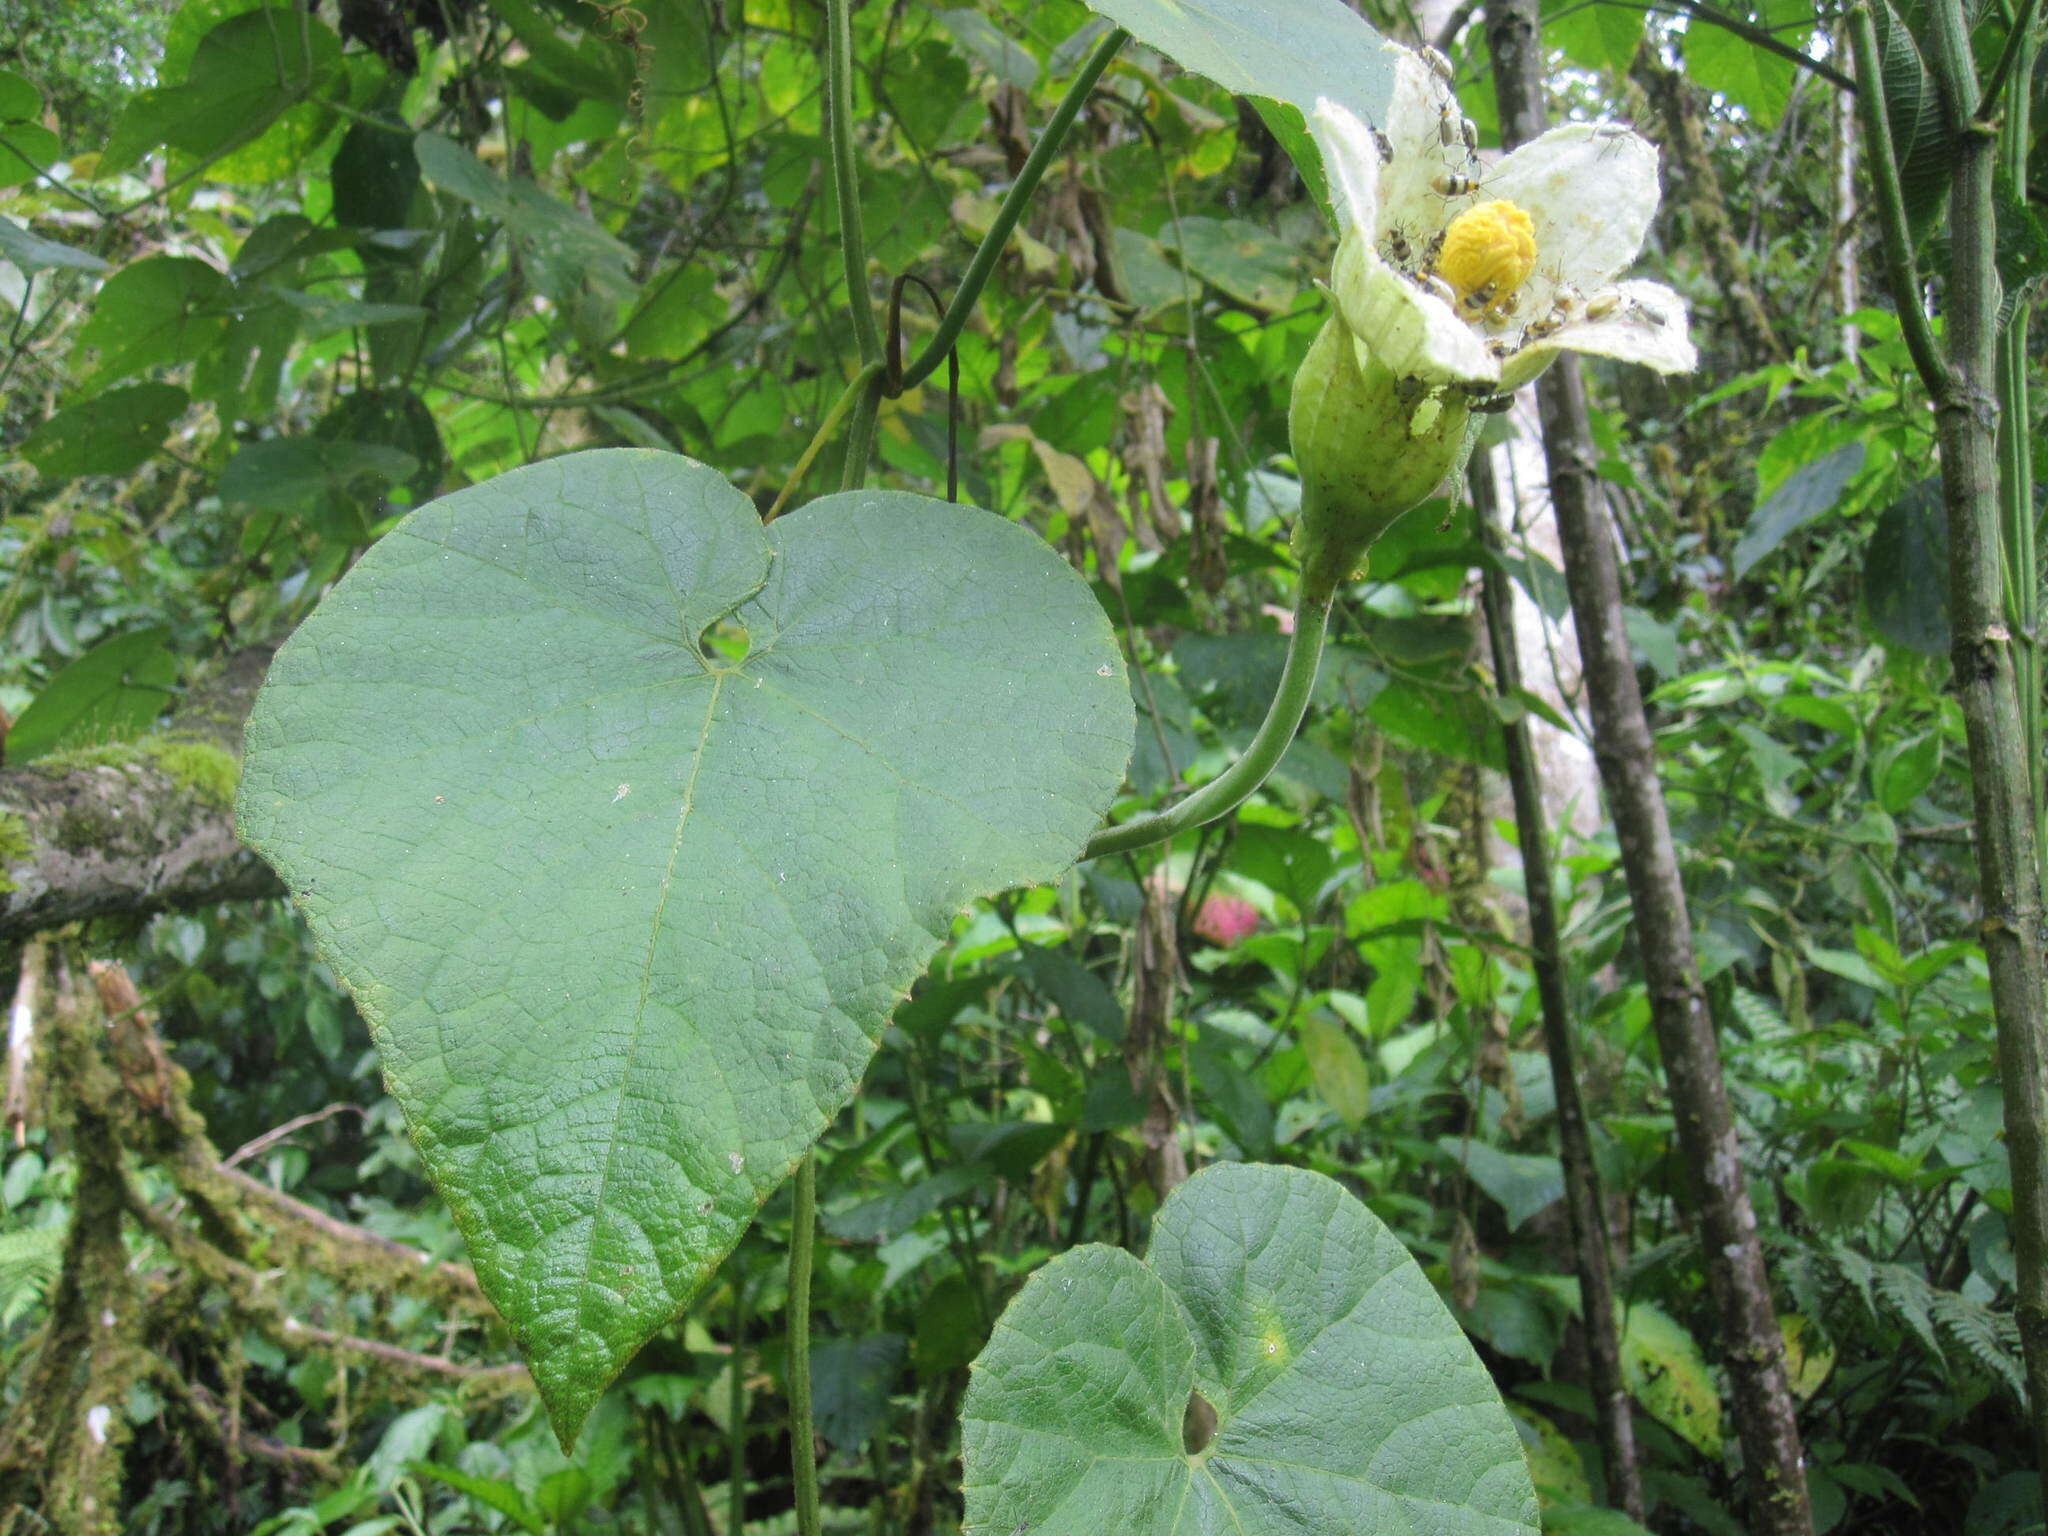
pixel 1584 1202
pixel 1752 1346
pixel 1844 276
pixel 1551 669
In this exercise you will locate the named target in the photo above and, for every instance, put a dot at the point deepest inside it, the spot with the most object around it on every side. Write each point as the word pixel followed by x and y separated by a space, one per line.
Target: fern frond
pixel 29 1262
pixel 1990 1338
pixel 1803 1283
pixel 1759 1015
pixel 1858 1271
pixel 1909 1297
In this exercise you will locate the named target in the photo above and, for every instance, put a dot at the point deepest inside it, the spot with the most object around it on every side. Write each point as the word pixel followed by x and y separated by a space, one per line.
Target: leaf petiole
pixel 860 383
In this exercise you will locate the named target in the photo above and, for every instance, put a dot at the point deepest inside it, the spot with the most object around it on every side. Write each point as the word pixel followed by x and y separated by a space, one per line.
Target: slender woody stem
pixel 1900 271
pixel 1716 1186
pixel 2016 415
pixel 2018 542
pixel 853 243
pixel 1012 209
pixel 1584 1198
pixel 803 1445
pixel 1987 671
pixel 1234 785
pixel 1761 38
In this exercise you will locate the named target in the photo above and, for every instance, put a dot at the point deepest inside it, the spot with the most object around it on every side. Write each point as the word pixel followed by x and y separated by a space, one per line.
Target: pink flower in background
pixel 1226 920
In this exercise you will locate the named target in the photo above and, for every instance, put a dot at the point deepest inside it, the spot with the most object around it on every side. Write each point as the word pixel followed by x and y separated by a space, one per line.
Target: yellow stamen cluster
pixel 1488 253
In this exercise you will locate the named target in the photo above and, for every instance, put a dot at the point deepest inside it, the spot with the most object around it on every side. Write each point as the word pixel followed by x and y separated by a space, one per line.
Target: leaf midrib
pixel 646 987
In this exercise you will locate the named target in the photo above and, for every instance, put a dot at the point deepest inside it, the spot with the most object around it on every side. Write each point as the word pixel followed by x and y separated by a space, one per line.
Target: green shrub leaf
pixel 114 692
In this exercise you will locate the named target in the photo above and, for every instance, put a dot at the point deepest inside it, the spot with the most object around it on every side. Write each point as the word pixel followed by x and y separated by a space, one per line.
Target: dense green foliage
pixel 271 277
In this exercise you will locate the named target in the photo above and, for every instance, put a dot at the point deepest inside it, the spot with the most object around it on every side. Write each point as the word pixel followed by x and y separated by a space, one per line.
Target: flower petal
pixel 1416 125
pixel 1409 331
pixel 1646 324
pixel 1591 189
pixel 1351 161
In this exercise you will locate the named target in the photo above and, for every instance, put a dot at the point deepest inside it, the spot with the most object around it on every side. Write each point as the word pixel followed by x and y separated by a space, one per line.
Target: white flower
pixel 1455 274
pixel 1454 283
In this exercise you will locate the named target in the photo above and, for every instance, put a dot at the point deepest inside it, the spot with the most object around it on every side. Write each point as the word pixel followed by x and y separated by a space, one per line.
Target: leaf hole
pixel 1197 1425
pixel 724 643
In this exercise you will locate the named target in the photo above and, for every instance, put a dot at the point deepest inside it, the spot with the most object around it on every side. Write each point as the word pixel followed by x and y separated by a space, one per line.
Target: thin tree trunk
pixel 1155 975
pixel 1753 1347
pixel 1983 651
pixel 1583 1197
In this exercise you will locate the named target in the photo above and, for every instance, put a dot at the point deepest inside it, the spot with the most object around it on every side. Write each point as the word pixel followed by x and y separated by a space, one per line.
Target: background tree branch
pixel 137 828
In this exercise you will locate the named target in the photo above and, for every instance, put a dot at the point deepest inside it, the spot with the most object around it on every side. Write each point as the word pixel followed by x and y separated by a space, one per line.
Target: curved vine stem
pixel 1900 270
pixel 860 435
pixel 803 1445
pixel 1042 155
pixel 853 243
pixel 895 371
pixel 1234 785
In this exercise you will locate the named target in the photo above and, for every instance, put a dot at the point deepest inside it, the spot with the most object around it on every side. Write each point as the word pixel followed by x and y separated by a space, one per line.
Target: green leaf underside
pixel 1291 51
pixel 110 433
pixel 627 923
pixel 1905 569
pixel 1808 492
pixel 1346 1396
pixel 31 253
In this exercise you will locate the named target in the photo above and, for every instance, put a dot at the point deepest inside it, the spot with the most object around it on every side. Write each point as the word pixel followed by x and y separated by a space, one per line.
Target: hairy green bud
pixel 1369 447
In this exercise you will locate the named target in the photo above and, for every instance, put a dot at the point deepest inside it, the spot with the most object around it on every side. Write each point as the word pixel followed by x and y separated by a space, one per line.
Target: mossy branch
pixel 121 1103
pixel 133 828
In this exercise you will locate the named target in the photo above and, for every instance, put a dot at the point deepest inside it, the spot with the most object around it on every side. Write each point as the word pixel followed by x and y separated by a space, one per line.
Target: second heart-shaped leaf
pixel 1277 1365
pixel 626 908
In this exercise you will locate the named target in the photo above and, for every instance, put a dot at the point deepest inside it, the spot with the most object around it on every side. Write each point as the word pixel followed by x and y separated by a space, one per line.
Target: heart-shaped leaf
pixel 1291 51
pixel 627 916
pixel 1344 1396
pixel 1283 54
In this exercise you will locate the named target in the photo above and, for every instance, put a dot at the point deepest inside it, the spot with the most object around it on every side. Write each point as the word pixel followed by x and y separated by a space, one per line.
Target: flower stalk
pixel 1231 788
pixel 1441 297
